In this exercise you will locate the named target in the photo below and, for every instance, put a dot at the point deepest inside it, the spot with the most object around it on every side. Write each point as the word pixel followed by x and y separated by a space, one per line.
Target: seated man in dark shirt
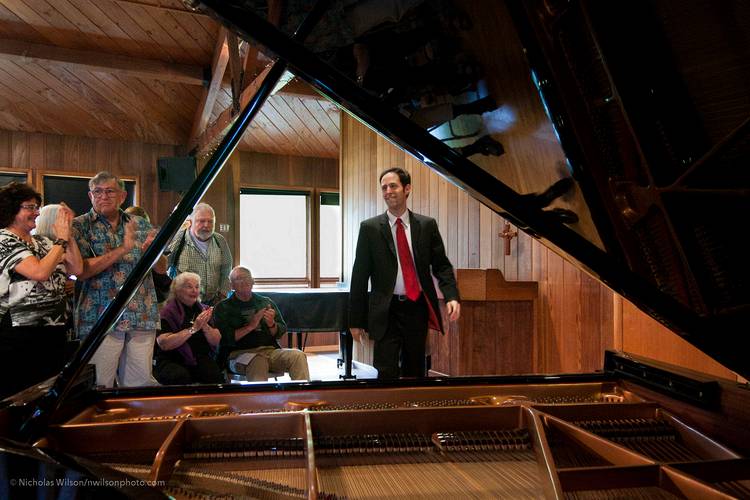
pixel 250 326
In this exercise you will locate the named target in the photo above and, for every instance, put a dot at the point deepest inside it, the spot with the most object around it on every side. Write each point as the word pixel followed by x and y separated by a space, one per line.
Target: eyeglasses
pixel 98 193
pixel 31 207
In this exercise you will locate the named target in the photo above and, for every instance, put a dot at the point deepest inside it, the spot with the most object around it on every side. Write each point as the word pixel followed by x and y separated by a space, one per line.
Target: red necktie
pixel 407 263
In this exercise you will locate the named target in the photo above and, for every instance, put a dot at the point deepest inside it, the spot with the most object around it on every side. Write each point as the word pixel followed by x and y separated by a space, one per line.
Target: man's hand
pixel 255 320
pixel 149 238
pixel 128 240
pixel 454 310
pixel 359 334
pixel 269 316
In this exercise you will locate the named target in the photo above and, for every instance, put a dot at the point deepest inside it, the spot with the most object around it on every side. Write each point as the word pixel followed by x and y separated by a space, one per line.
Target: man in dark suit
pixel 398 252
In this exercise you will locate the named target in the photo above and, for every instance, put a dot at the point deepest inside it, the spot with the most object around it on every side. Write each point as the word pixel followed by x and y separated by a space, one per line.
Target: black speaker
pixel 176 173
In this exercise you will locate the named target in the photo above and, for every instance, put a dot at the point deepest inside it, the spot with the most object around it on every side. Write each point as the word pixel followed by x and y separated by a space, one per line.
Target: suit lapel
pixel 415 233
pixel 385 230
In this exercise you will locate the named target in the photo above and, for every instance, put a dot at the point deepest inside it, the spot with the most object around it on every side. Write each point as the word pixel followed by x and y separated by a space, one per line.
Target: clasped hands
pixel 267 314
pixel 202 319
pixel 63 222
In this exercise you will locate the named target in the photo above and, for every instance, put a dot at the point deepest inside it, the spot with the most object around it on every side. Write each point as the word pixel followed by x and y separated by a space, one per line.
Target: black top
pixel 197 342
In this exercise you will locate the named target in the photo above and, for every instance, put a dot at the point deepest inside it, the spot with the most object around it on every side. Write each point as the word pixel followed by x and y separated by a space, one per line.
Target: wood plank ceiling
pixel 139 70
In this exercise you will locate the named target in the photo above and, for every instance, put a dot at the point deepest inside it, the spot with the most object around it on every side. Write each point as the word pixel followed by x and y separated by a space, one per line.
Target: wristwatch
pixel 192 330
pixel 63 243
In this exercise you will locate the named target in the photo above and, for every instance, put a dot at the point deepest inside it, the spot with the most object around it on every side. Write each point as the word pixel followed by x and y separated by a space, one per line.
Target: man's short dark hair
pixel 11 197
pixel 403 175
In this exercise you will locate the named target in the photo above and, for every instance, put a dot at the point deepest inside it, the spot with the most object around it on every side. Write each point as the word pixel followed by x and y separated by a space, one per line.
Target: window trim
pixel 313 194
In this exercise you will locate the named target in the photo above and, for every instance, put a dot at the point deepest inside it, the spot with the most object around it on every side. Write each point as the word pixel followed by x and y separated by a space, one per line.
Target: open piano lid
pixel 657 148
pixel 656 134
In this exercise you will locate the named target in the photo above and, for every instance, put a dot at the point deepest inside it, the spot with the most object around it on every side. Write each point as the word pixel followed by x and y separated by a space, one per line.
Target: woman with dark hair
pixel 187 345
pixel 33 270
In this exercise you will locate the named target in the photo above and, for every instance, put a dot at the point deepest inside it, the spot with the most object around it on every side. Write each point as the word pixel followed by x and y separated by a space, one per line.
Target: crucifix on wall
pixel 507 234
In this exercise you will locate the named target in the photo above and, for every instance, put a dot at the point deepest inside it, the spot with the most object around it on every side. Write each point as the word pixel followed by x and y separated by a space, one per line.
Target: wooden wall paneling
pixel 433 196
pixel 37 149
pixel 6 155
pixel 474 232
pixel 554 291
pixel 480 345
pixel 451 236
pixel 498 259
pixel 53 150
pixel 571 318
pixel 514 353
pixel 525 258
pixel 542 316
pixel 645 336
pixel 462 228
pixel 593 320
pixel 486 237
pixel 617 321
pixel 40 153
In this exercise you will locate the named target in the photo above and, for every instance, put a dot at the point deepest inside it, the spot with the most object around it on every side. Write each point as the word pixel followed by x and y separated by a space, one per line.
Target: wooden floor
pixel 323 367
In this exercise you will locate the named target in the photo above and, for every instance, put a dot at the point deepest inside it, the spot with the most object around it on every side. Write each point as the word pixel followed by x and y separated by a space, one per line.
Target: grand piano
pixel 658 152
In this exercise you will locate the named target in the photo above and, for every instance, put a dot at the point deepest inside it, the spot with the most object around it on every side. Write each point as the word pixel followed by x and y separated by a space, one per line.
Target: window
pixel 330 237
pixel 8 177
pixel 291 237
pixel 273 229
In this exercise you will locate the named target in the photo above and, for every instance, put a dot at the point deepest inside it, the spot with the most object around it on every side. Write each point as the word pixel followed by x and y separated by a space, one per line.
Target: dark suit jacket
pixel 376 260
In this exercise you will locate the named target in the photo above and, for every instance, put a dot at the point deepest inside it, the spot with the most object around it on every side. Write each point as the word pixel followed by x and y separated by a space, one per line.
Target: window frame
pixel 312 243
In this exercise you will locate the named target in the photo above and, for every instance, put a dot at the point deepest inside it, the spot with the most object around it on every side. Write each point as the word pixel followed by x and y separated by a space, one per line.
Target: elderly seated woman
pixel 186 348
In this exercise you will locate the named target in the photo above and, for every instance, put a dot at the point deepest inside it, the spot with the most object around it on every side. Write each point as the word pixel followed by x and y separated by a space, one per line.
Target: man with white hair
pixel 204 252
pixel 250 326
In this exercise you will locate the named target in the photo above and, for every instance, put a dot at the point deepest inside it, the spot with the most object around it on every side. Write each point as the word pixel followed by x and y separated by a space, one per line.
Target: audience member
pixel 45 226
pixel 250 326
pixel 187 346
pixel 33 270
pixel 200 250
pixel 107 238
pixel 398 253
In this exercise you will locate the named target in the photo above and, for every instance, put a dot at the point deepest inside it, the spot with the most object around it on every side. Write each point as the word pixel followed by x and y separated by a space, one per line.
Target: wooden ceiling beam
pixel 25 52
pixel 236 70
pixel 208 99
pixel 217 128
